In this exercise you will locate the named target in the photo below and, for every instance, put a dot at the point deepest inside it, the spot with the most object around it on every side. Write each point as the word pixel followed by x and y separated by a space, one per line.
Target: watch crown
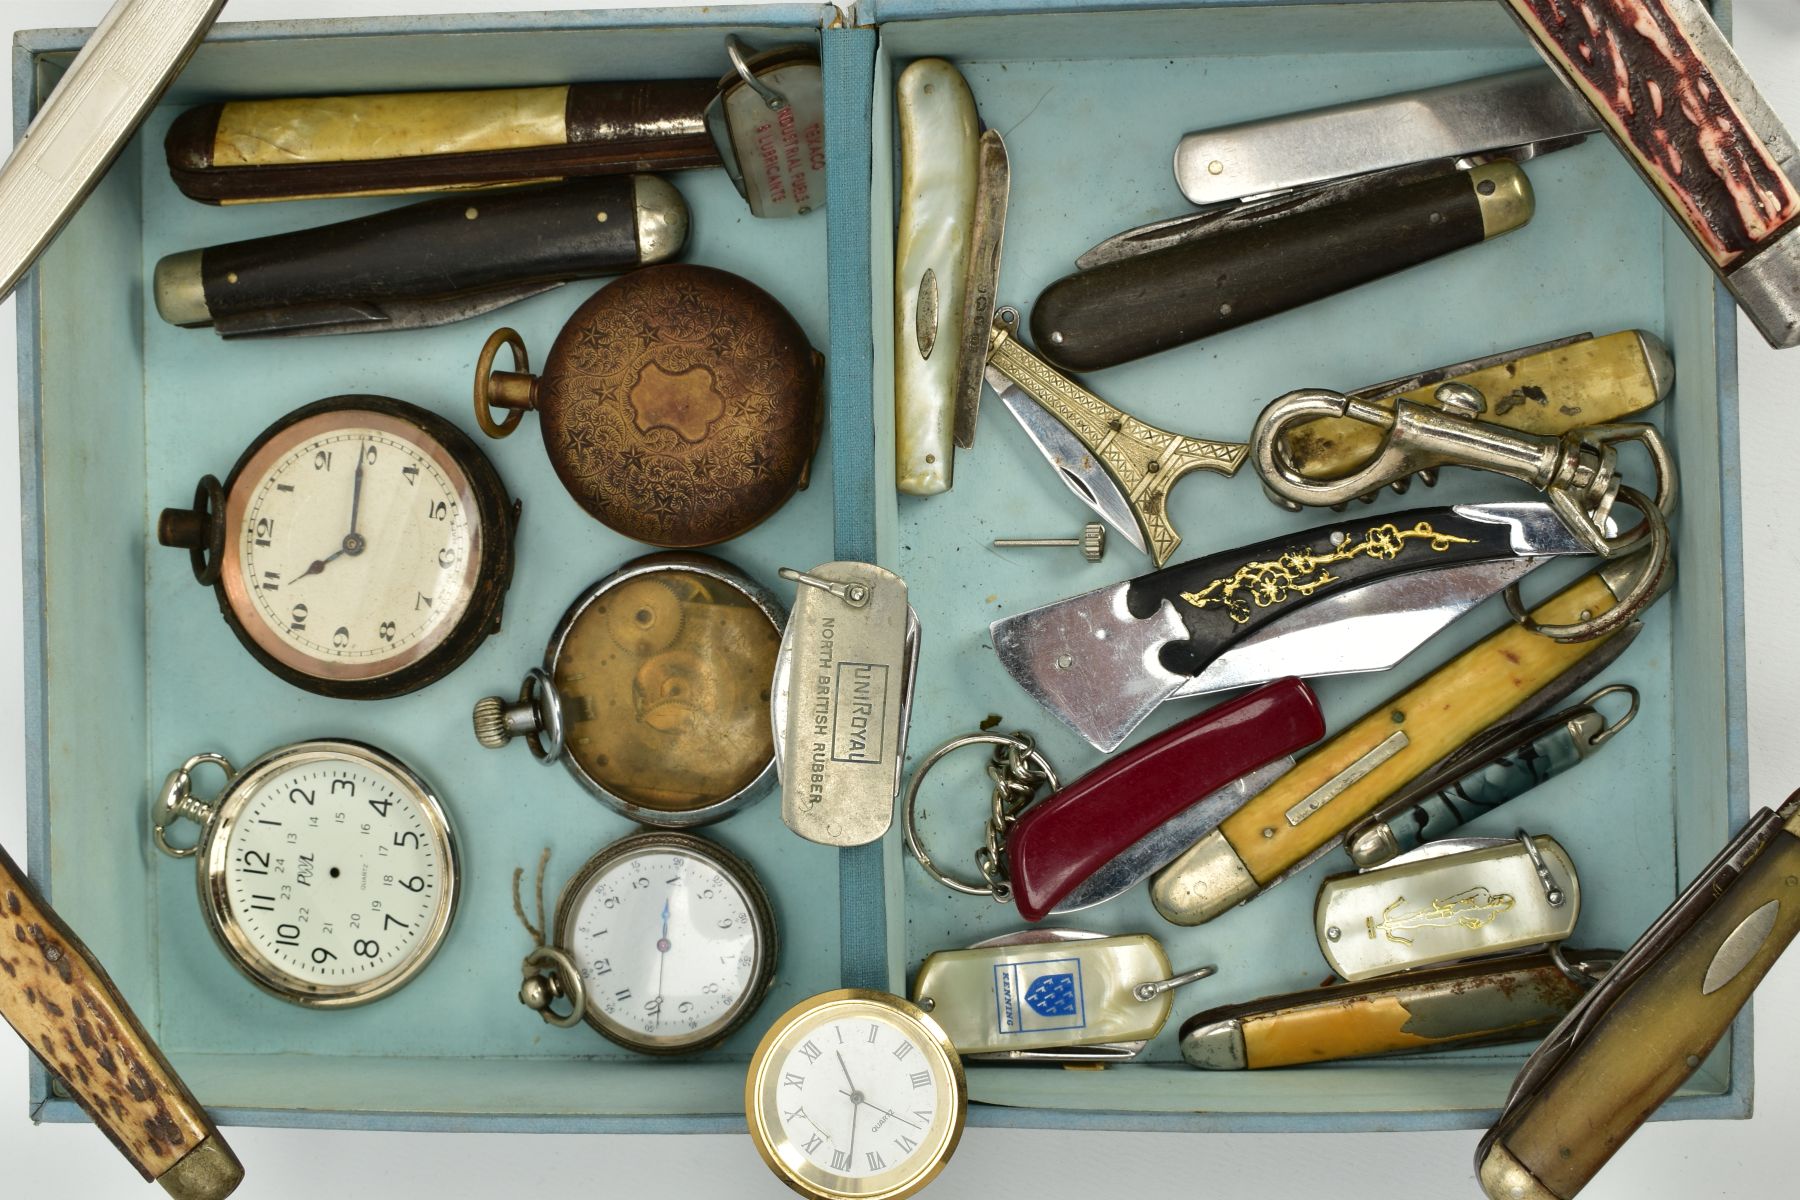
pixel 490 722
pixel 1093 541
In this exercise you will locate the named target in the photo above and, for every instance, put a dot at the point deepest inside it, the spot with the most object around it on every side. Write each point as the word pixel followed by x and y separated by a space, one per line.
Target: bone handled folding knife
pixel 1652 1021
pixel 1101 662
pixel 1124 468
pixel 1668 89
pixel 1483 1003
pixel 1306 812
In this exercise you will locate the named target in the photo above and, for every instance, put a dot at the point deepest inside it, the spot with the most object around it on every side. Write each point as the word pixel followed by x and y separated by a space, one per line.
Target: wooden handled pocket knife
pixel 1650 1023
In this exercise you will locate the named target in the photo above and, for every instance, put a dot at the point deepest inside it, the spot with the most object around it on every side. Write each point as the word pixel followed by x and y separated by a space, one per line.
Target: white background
pixel 1689 1159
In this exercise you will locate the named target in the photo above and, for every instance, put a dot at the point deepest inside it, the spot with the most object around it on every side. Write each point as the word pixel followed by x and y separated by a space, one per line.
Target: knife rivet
pixel 1793 880
pixel 1587 615
pixel 231 277
pixel 1056 337
pixel 1337 537
pixel 1334 933
pixel 1064 661
pixel 1485 187
pixel 1269 832
pixel 1398 717
pixel 1693 1061
pixel 1437 218
pixel 1215 167
pixel 600 217
pixel 471 212
pixel 1225 310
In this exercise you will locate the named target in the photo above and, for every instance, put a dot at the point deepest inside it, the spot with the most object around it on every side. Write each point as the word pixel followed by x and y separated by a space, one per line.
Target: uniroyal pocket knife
pixel 1306 813
pixel 1052 995
pixel 1660 78
pixel 1356 595
pixel 1124 468
pixel 1651 1022
pixel 1305 205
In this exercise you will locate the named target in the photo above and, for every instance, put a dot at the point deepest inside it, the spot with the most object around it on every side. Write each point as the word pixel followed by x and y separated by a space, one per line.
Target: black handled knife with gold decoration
pixel 1650 1023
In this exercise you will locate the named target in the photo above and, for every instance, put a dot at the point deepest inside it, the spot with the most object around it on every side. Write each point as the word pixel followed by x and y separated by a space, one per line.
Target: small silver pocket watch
pixel 327 869
pixel 663 942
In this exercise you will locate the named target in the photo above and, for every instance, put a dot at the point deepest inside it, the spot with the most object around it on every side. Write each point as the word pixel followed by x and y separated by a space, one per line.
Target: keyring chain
pixel 1019 772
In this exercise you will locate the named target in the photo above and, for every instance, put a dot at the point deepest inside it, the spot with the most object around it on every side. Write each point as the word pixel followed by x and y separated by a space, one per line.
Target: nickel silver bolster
pixel 1454 121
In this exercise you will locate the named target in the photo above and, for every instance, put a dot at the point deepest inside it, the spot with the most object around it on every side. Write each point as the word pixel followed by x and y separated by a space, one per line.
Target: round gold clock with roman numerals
pixel 856 1095
pixel 360 548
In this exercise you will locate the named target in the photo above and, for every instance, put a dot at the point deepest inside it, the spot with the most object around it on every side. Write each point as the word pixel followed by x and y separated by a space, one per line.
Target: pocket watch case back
pixel 680 405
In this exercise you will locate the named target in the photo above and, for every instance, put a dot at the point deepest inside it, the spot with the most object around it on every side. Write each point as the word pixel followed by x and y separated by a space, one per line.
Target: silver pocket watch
pixel 327 869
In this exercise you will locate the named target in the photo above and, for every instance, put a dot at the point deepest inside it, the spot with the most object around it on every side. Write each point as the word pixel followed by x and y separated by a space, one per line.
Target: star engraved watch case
pixel 119 417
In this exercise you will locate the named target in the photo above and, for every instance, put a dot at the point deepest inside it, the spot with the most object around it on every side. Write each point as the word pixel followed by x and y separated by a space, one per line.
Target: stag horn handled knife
pixel 763 122
pixel 138 47
pixel 1672 95
pixel 57 996
pixel 1123 468
pixel 1649 1024
pixel 1306 812
pixel 424 264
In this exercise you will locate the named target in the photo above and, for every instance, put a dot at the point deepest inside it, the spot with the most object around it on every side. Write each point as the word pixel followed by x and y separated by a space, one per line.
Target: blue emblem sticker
pixel 1031 997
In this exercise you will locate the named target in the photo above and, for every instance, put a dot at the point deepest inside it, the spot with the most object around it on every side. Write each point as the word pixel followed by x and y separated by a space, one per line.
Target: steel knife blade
pixel 1102 661
pixel 138 47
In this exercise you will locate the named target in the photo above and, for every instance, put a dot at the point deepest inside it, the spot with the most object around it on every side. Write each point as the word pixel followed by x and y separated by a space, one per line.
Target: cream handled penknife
pixel 1650 1023
pixel 132 55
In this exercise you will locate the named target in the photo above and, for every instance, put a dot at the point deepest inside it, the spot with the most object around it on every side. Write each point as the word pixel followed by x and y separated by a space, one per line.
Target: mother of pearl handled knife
pixel 1649 1024
pixel 1302 815
pixel 1667 88
pixel 1062 840
pixel 1484 1003
pixel 1244 266
pixel 1124 468
pixel 763 122
pixel 60 1000
pixel 424 264
pixel 1102 661
pixel 939 167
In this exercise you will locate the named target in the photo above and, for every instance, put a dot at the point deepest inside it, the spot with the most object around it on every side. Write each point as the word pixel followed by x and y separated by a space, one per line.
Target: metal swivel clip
pixel 1577 472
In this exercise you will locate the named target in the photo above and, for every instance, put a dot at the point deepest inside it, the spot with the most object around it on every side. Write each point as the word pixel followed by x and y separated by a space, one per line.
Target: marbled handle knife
pixel 1674 97
pixel 1652 1021
pixel 59 999
pixel 1307 812
pixel 138 47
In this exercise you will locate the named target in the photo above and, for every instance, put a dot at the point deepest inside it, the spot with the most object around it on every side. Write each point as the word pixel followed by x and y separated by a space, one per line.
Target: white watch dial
pixel 859 1096
pixel 668 944
pixel 355 545
pixel 333 873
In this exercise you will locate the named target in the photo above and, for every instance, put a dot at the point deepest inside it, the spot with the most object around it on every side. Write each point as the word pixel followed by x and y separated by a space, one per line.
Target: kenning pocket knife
pixel 1660 78
pixel 1650 1023
pixel 1303 206
pixel 1124 468
pixel 1306 813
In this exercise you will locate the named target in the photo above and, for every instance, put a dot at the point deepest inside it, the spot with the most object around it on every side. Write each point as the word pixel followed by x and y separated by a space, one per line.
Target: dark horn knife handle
pixel 1225 597
pixel 435 252
pixel 1136 306
pixel 1065 838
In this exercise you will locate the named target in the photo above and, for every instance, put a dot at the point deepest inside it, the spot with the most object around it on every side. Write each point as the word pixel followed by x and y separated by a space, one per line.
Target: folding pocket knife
pixel 1355 595
pixel 1650 1023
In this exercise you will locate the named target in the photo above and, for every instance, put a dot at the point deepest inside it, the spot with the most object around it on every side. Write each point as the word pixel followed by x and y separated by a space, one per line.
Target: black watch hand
pixel 318 565
pixel 356 488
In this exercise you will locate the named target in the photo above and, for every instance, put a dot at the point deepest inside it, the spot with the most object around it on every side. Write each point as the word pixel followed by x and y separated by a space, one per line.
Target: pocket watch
pixel 360 548
pixel 680 406
pixel 663 942
pixel 856 1095
pixel 327 869
pixel 655 691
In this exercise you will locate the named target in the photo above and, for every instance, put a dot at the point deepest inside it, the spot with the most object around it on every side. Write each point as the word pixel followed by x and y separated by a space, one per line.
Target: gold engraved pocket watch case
pixel 360 548
pixel 655 691
pixel 680 405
